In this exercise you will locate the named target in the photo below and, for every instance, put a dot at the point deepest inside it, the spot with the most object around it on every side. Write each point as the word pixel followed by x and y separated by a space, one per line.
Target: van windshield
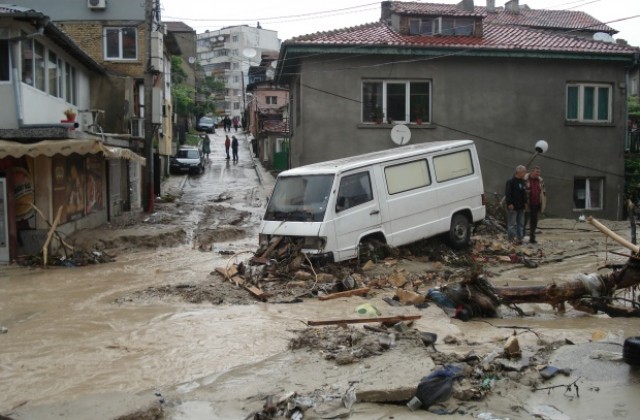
pixel 300 198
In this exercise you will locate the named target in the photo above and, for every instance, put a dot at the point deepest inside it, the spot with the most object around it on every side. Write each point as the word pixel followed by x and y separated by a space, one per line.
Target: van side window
pixel 354 190
pixel 407 176
pixel 453 165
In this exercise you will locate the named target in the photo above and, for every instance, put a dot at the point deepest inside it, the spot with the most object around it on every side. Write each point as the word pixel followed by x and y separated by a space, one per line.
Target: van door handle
pixel 374 212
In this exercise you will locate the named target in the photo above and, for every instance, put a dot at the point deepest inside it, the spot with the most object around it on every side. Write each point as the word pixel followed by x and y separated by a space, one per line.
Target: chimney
pixel 385 8
pixel 466 5
pixel 491 6
pixel 512 6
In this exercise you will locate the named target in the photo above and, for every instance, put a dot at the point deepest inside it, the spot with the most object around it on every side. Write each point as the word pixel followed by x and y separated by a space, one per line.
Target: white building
pixel 227 55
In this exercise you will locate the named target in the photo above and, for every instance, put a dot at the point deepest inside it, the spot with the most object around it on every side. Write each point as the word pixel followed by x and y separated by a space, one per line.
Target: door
pixel 4 222
pixel 357 212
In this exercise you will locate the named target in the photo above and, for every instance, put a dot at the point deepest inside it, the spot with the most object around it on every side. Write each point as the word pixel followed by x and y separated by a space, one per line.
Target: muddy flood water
pixel 132 326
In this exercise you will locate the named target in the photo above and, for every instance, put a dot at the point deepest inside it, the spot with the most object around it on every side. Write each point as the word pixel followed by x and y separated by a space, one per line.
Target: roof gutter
pixel 461 51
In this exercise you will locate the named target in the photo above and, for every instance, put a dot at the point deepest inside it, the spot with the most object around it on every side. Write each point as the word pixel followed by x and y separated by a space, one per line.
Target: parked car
pixel 206 124
pixel 187 159
pixel 338 209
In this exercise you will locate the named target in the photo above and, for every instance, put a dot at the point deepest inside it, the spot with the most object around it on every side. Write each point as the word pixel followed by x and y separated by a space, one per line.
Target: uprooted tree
pixel 588 292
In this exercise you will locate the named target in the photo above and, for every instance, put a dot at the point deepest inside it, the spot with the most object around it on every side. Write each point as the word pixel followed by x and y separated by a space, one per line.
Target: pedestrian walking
pixel 206 145
pixel 235 123
pixel 536 201
pixel 227 144
pixel 516 199
pixel 234 148
pixel 227 124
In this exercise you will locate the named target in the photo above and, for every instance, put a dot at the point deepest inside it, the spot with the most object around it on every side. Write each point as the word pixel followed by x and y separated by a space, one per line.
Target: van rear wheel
pixel 460 231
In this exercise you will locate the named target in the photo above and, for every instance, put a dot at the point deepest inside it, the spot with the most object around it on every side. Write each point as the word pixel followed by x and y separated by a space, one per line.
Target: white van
pixel 394 196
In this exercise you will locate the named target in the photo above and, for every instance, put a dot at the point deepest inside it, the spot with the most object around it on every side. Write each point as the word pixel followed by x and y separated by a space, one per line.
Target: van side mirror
pixel 341 203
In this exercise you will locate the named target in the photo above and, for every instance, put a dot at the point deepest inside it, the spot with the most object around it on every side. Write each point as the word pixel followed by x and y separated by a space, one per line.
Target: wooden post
pixel 45 248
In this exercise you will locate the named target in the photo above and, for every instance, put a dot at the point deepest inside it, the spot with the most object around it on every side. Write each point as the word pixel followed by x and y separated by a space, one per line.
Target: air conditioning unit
pixel 97 4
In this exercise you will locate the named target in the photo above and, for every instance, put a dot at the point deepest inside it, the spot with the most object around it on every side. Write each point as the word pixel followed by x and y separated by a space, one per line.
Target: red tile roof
pixel 432 9
pixel 278 127
pixel 495 37
pixel 550 19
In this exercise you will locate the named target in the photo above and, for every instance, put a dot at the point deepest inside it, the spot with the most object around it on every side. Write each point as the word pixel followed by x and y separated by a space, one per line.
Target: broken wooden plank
pixel 382 319
pixel 255 292
pixel 274 243
pixel 259 260
pixel 348 293
pixel 227 273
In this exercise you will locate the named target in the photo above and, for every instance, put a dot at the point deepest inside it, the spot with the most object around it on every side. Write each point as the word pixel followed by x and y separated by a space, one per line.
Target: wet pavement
pixel 74 332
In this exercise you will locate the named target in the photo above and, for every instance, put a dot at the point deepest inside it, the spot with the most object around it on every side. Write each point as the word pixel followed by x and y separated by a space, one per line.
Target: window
pixel 453 165
pixel 26 51
pixel 587 193
pixel 39 64
pixel 354 190
pixel 120 44
pixel 4 60
pixel 272 100
pixel 236 79
pixel 400 101
pixel 234 38
pixel 449 26
pixel 70 83
pixel 52 70
pixel 236 105
pixel 234 52
pixel 407 176
pixel 235 66
pixel 589 102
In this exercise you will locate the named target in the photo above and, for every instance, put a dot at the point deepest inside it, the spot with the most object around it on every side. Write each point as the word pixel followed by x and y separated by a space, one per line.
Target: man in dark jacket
pixel 515 195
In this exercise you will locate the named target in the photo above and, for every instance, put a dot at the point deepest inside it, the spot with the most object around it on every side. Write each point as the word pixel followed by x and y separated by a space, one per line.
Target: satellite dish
pixel 191 60
pixel 249 52
pixel 602 36
pixel 400 134
pixel 270 73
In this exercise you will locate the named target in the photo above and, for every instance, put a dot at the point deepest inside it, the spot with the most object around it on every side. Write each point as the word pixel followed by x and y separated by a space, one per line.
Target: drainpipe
pixel 17 93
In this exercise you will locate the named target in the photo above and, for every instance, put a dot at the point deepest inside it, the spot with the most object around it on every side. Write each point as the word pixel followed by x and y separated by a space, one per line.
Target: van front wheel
pixel 460 231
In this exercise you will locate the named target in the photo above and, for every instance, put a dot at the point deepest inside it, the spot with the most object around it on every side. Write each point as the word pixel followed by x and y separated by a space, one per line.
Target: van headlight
pixel 314 242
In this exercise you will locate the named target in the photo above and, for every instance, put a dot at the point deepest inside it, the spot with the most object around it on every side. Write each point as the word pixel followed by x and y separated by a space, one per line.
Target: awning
pixel 65 148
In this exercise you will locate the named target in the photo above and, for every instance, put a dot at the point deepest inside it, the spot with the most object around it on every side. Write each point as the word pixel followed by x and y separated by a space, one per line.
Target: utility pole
pixel 149 193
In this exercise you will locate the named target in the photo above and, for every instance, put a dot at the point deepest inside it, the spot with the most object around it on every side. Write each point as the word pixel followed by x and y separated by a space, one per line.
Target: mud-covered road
pixel 158 322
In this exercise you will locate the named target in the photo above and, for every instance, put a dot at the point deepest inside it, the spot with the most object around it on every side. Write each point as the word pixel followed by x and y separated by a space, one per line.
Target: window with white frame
pixel 272 100
pixel 588 193
pixel 120 43
pixel 234 38
pixel 396 100
pixel 70 83
pixel 39 65
pixel 52 71
pixel 450 26
pixel 236 105
pixel 235 66
pixel 589 102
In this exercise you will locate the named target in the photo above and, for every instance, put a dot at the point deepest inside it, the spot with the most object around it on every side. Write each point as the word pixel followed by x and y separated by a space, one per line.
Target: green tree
pixel 187 100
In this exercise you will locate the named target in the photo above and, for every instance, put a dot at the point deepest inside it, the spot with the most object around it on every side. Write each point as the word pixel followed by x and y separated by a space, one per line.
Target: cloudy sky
pixel 291 19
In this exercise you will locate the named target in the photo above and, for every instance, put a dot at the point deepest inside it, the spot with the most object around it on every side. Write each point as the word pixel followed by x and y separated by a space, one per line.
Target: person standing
pixel 536 200
pixel 227 144
pixel 234 148
pixel 516 199
pixel 227 124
